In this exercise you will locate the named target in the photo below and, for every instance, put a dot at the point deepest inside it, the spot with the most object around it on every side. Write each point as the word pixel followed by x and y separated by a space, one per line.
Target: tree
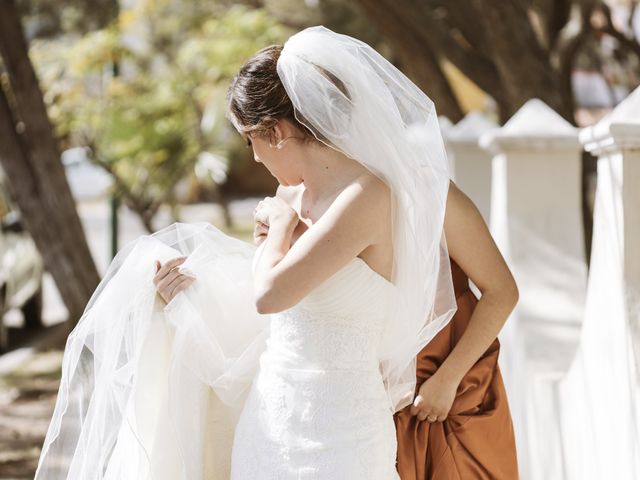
pixel 513 50
pixel 30 155
pixel 161 119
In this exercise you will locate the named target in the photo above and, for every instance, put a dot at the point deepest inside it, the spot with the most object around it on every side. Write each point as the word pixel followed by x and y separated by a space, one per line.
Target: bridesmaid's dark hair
pixel 257 99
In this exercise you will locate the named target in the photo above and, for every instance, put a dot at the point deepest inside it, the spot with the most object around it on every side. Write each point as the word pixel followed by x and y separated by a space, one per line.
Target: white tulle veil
pixel 354 100
pixel 130 363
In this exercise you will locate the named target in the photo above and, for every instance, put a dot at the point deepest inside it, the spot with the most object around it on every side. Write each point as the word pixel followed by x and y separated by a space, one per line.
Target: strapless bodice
pixel 338 325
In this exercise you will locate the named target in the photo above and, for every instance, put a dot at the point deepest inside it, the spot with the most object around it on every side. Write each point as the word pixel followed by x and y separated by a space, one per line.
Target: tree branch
pixel 417 20
pixel 629 44
pixel 426 70
pixel 568 52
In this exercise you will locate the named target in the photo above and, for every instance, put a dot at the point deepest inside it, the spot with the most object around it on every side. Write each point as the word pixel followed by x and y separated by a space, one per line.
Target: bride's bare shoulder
pixel 375 187
pixel 369 179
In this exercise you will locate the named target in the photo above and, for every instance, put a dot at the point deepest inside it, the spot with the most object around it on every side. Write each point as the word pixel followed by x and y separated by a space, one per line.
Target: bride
pixel 202 356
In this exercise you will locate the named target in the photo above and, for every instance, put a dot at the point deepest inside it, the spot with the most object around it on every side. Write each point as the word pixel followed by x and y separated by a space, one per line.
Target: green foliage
pixel 50 18
pixel 146 94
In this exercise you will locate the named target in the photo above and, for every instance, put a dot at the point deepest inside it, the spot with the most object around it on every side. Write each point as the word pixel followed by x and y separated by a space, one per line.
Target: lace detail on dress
pixel 317 408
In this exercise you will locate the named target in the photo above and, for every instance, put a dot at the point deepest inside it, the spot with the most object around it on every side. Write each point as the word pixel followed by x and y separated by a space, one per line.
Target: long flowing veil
pixel 355 101
pixel 137 376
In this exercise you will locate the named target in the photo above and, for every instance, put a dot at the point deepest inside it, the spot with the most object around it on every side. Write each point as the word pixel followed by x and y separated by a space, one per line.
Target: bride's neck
pixel 325 171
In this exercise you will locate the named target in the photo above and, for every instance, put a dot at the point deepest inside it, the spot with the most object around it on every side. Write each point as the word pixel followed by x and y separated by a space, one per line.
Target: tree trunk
pixel 523 65
pixel 418 60
pixel 492 43
pixel 30 155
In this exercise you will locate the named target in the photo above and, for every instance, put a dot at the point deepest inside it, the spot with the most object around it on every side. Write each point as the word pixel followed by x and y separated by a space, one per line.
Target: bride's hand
pixel 272 210
pixel 435 399
pixel 260 231
pixel 168 281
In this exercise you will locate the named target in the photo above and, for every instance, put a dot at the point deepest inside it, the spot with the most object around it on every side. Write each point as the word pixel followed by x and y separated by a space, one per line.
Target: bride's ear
pixel 276 134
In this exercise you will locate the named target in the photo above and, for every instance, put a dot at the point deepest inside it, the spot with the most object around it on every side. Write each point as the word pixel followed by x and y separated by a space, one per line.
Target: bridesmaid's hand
pixel 435 399
pixel 168 281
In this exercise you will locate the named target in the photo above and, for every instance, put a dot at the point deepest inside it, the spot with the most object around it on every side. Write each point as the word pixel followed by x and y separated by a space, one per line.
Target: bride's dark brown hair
pixel 257 99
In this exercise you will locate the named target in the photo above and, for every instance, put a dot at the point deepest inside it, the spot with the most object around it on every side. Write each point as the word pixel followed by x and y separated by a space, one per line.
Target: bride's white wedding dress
pixel 206 388
pixel 317 408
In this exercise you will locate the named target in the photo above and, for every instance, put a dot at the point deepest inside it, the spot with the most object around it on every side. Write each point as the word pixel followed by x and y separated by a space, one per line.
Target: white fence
pixel 571 348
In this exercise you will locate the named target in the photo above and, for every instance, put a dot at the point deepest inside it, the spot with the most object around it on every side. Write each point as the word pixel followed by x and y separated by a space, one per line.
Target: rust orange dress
pixel 476 441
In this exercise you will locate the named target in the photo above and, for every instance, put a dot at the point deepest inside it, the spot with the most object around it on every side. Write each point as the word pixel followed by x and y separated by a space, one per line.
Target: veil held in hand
pixel 136 374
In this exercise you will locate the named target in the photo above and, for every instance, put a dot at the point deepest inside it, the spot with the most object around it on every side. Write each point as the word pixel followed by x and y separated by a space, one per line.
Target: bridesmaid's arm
pixel 472 247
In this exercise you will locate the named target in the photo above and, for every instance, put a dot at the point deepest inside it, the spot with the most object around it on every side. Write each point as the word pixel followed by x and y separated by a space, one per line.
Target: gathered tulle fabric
pixel 130 361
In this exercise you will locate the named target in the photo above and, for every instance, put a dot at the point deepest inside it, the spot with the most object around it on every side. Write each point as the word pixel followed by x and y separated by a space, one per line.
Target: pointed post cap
pixel 471 128
pixel 618 130
pixel 536 126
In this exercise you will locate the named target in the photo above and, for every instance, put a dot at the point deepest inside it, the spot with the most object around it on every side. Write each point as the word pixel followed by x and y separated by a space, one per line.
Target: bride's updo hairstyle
pixel 257 99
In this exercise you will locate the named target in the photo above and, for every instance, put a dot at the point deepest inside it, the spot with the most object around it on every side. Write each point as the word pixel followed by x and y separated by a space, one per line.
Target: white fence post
pixel 600 395
pixel 472 164
pixel 536 220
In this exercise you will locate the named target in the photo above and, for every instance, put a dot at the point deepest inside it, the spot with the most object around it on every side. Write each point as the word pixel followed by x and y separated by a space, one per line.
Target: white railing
pixel 571 348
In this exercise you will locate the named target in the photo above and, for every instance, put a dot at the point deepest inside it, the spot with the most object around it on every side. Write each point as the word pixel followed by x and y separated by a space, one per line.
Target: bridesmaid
pixel 459 426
